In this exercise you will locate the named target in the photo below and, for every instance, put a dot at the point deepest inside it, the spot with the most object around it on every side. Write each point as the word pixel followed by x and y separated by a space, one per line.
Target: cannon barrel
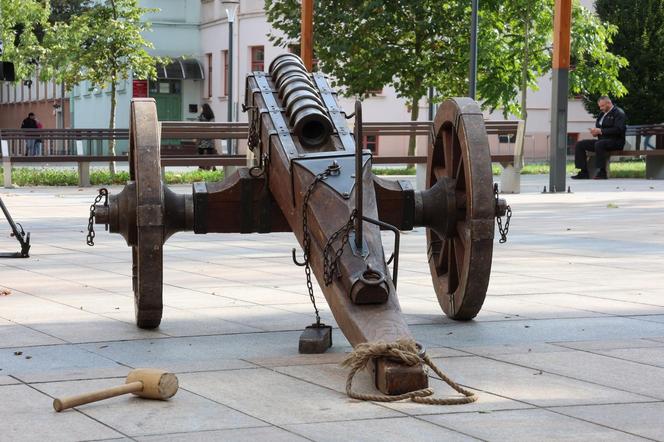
pixel 304 107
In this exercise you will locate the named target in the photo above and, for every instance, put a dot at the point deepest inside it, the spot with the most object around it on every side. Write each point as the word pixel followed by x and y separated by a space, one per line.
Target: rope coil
pixel 406 352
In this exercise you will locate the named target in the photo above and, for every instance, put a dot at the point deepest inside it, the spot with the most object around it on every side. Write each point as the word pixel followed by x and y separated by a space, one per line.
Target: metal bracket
pixel 362 253
pixel 397 238
pixel 342 183
pixel 20 235
pixel 275 114
pixel 336 113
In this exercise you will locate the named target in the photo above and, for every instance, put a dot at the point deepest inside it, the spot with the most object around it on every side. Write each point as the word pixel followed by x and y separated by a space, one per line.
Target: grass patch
pixel 617 169
pixel 27 176
pixel 393 171
pixel 622 169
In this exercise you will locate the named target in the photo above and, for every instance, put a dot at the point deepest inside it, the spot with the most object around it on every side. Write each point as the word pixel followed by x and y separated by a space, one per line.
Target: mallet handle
pixel 86 398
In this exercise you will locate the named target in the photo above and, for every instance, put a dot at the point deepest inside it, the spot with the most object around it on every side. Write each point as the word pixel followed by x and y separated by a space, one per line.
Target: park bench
pixel 73 150
pixel 511 163
pixel 654 158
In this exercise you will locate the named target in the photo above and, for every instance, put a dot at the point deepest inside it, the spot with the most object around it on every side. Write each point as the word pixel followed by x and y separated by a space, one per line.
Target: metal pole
pixel 431 106
pixel 562 24
pixel 231 18
pixel 472 92
pixel 307 34
pixel 359 190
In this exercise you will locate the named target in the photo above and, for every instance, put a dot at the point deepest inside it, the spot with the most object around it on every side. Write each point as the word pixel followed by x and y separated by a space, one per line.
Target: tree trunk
pixel 414 115
pixel 111 125
pixel 524 69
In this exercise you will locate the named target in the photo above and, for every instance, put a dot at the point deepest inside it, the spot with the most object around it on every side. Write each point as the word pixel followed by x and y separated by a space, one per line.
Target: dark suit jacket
pixel 613 126
pixel 29 123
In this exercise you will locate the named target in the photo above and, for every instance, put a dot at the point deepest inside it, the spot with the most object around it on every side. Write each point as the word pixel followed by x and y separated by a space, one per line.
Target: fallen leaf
pixel 18 353
pixel 5 292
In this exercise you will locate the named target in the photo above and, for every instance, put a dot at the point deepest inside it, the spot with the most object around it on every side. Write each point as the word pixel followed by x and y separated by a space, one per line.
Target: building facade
pixel 177 89
pixel 46 100
pixel 194 36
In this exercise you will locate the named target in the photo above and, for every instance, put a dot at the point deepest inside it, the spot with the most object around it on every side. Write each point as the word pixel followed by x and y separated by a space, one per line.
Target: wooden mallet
pixel 143 382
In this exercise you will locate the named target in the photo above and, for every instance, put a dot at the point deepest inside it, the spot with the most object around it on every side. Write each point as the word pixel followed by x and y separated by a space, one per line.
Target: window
pixel 371 143
pixel 257 58
pixel 506 138
pixel 225 82
pixel 209 75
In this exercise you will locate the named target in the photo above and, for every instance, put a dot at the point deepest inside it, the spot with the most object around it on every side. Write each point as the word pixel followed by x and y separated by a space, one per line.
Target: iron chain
pixel 330 266
pixel 90 239
pixel 508 216
pixel 306 237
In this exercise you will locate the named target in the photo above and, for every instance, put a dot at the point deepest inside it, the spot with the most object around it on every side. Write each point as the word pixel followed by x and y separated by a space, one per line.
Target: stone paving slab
pixel 133 416
pixel 568 346
pixel 528 425
pixel 638 419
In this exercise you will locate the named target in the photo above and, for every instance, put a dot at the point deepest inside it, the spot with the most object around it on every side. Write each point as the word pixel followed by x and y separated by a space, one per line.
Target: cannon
pixel 313 178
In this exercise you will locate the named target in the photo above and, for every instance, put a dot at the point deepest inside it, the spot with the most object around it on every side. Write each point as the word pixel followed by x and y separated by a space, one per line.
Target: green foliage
pixel 416 45
pixel 622 169
pixel 641 41
pixel 27 176
pixel 102 45
pixel 21 21
pixel 393 170
pixel 64 10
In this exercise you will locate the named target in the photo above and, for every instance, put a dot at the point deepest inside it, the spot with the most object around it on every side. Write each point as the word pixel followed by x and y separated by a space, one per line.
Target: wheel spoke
pixel 453 272
pixel 448 142
pixel 442 262
pixel 462 231
pixel 459 252
pixel 461 199
pixel 460 174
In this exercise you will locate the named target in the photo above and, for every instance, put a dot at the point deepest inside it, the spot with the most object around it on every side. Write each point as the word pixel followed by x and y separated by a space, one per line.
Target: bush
pixel 26 176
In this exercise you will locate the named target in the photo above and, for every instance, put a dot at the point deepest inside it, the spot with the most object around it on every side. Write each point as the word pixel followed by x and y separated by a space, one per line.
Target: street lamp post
pixel 231 9
pixel 473 51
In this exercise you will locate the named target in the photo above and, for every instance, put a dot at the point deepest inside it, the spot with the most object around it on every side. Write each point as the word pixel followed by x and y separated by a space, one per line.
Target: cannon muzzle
pixel 304 107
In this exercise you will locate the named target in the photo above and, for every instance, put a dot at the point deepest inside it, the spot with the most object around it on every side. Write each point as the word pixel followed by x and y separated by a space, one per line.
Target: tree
pixel 102 45
pixel 64 10
pixel 416 45
pixel 516 36
pixel 22 24
pixel 641 41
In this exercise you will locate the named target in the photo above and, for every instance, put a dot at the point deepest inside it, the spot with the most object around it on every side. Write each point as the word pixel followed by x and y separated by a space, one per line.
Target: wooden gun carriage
pixel 312 178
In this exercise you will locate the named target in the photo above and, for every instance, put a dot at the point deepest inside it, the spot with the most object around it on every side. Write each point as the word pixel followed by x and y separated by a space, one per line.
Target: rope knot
pixel 407 352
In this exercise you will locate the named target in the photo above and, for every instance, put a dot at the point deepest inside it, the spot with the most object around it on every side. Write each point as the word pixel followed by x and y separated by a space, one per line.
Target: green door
pixel 168 95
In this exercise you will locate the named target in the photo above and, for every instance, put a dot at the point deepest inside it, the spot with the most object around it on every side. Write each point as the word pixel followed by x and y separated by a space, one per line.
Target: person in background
pixel 206 146
pixel 39 143
pixel 29 123
pixel 610 132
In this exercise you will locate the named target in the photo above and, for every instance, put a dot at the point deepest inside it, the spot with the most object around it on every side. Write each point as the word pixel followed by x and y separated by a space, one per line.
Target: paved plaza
pixel 568 346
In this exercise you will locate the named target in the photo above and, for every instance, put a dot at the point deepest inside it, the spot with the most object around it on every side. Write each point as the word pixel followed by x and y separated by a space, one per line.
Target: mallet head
pixel 157 384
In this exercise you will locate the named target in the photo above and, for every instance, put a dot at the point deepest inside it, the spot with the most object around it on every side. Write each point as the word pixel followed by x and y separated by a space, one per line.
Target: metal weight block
pixel 315 339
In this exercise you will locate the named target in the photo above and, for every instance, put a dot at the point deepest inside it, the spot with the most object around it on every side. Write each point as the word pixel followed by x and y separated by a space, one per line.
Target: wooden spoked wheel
pixel 460 259
pixel 145 171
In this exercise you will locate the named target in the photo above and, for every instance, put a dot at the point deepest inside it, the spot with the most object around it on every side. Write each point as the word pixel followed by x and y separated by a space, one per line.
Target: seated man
pixel 610 132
